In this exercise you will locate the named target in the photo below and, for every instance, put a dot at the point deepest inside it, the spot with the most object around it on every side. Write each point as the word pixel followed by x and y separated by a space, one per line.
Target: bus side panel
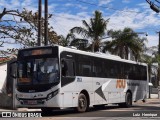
pixel 114 92
pixel 72 90
pixel 86 84
pixel 55 101
pixel 99 95
pixel 138 89
pixel 68 94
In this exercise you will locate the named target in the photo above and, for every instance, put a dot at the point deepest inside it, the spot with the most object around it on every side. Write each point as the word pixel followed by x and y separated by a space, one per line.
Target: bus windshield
pixel 38 71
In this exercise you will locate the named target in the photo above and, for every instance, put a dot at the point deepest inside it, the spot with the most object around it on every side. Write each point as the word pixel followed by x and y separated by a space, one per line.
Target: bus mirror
pixel 13 70
pixel 13 76
pixel 64 67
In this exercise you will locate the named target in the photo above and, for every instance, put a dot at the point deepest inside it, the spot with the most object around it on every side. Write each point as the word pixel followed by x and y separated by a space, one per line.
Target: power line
pixel 60 28
pixel 113 25
pixel 70 18
pixel 123 11
pixel 94 4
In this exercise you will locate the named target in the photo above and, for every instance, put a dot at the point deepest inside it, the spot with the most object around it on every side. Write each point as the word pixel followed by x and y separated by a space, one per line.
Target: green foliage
pixel 22 28
pixel 65 41
pixel 93 30
pixel 124 42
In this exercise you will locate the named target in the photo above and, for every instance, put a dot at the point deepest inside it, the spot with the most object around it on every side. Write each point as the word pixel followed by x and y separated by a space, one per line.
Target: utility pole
pixel 159 43
pixel 153 6
pixel 159 63
pixel 46 23
pixel 39 22
pixel 159 67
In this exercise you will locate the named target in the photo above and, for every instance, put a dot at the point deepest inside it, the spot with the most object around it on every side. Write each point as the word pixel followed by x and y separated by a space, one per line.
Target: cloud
pixel 63 22
pixel 138 21
pixel 10 46
pixel 135 20
pixel 145 6
pixel 68 4
pixel 126 1
pixel 15 3
pixel 19 4
pixel 65 18
pixel 104 2
pixel 76 6
pixel 152 40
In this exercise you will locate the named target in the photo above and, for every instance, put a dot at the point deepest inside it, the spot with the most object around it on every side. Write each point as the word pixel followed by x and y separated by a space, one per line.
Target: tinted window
pixel 84 68
pixel 84 65
pixel 70 71
pixel 97 68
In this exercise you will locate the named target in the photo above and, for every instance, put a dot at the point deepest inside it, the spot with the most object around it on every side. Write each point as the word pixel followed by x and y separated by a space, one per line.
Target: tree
pixel 152 67
pixel 22 28
pixel 149 61
pixel 71 40
pixel 66 41
pixel 124 42
pixel 81 44
pixel 94 30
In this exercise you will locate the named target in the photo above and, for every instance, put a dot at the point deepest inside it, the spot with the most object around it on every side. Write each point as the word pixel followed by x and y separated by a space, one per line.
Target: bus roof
pixel 97 54
pixel 100 55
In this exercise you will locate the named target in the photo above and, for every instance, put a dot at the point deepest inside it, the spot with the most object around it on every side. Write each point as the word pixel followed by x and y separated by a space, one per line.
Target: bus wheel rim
pixel 82 103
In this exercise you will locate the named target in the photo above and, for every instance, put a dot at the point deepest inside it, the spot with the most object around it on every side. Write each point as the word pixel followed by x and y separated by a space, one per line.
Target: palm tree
pixel 93 30
pixel 81 44
pixel 156 59
pixel 66 41
pixel 71 40
pixel 149 61
pixel 125 42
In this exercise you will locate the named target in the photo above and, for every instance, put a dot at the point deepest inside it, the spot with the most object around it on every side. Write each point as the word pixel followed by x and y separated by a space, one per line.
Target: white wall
pixel 3 73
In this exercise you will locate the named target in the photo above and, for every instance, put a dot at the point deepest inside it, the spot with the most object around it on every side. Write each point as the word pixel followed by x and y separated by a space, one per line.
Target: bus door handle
pixel 97 83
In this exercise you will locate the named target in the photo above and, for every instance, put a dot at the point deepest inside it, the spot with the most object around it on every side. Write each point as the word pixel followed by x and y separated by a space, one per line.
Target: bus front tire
pixel 82 103
pixel 128 101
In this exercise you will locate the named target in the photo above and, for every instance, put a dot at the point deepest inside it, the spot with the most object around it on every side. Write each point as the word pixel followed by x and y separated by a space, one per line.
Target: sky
pixel 67 14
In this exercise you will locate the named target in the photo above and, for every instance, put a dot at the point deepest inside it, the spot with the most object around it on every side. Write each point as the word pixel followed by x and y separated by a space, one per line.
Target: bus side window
pixel 68 67
pixel 97 68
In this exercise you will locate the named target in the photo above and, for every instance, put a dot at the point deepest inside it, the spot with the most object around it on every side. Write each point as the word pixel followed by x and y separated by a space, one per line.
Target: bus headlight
pixel 52 94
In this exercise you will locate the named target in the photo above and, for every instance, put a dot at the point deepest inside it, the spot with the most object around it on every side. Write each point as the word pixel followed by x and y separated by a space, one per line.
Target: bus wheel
pixel 128 101
pixel 128 98
pixel 82 103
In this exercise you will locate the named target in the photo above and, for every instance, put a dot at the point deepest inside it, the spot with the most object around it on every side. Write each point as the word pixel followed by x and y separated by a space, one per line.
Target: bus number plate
pixel 32 102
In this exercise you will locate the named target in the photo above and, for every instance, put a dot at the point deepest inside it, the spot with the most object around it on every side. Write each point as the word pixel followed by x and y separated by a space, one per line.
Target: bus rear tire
pixel 82 103
pixel 128 101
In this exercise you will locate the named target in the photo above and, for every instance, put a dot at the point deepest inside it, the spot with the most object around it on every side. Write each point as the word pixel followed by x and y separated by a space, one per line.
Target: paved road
pixel 113 112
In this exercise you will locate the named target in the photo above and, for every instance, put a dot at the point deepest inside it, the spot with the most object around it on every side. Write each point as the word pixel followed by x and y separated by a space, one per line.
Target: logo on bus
pixel 79 79
pixel 121 83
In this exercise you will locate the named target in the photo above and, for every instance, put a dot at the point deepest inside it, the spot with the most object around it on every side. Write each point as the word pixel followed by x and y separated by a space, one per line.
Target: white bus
pixel 59 77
